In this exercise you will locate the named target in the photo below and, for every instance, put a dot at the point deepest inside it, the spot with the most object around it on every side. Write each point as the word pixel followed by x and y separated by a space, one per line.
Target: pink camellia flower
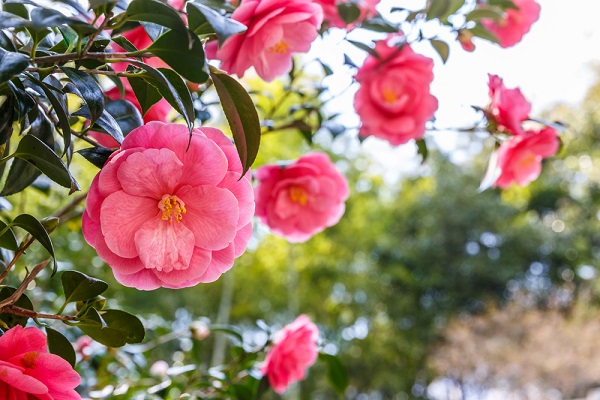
pixel 332 16
pixel 519 159
pixel 300 199
pixel 516 23
pixel 28 371
pixel 162 214
pixel 393 100
pixel 293 351
pixel 277 29
pixel 508 107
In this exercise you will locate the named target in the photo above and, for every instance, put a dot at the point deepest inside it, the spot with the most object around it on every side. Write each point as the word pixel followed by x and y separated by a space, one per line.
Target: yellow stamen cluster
pixel 280 47
pixel 389 96
pixel 298 195
pixel 172 208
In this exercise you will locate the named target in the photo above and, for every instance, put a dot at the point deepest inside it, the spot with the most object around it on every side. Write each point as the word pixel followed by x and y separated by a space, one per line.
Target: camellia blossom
pixel 508 107
pixel 300 199
pixel 277 29
pixel 332 16
pixel 162 214
pixel 393 101
pixel 293 351
pixel 515 24
pixel 28 371
pixel 519 159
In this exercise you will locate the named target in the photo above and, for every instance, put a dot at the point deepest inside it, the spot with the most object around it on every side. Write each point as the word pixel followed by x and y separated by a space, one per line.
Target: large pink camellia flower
pixel 519 159
pixel 332 16
pixel 393 100
pixel 293 351
pixel 28 371
pixel 277 29
pixel 300 199
pixel 162 214
pixel 516 23
pixel 508 107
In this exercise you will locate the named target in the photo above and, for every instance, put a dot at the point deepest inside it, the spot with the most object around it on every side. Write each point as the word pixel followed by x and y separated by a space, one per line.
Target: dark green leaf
pixel 241 115
pixel 203 20
pixel 25 101
pixel 482 13
pixel 146 94
pixel 438 8
pixel 364 47
pixel 37 231
pixel 228 330
pixel 124 43
pixel 126 114
pixel 78 286
pixel 188 60
pixel 11 319
pixel 6 43
pixel 88 89
pixel 155 12
pixel 37 153
pixel 120 328
pixel 12 64
pixel 483 33
pixel 106 123
pixel 378 24
pixel 59 103
pixel 47 18
pixel 8 239
pixel 442 48
pixel 16 8
pixel 337 374
pixel 96 155
pixel 422 150
pixel 7 116
pixel 182 90
pixel 60 345
pixel 348 11
pixel 8 20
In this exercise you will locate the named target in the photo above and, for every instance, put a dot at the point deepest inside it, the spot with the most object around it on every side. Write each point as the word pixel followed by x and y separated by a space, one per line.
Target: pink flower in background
pixel 293 351
pixel 332 16
pixel 519 159
pixel 393 101
pixel 300 199
pixel 28 371
pixel 508 107
pixel 162 214
pixel 517 22
pixel 277 29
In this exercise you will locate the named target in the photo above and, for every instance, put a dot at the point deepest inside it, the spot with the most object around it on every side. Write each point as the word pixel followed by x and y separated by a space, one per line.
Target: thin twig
pixel 95 35
pixel 13 298
pixel 89 56
pixel 18 254
pixel 12 309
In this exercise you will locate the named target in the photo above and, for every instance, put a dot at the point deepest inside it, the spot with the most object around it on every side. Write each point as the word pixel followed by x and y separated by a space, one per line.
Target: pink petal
pixel 56 373
pixel 243 192
pixel 19 381
pixel 177 279
pixel 143 280
pixel 242 237
pixel 19 340
pixel 124 266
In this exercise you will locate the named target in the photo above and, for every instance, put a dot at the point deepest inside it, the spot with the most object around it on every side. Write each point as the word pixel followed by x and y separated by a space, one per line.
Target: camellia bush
pixel 130 88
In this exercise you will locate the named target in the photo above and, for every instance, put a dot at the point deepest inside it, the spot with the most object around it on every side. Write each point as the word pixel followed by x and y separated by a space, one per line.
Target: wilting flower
pixel 515 24
pixel 519 159
pixel 332 16
pixel 508 107
pixel 169 210
pixel 293 351
pixel 28 371
pixel 300 199
pixel 393 100
pixel 277 29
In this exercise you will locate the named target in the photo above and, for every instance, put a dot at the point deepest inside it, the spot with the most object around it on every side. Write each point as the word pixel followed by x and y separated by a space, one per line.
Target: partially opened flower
pixel 277 29
pixel 293 352
pixel 394 101
pixel 519 159
pixel 332 16
pixel 508 107
pixel 515 24
pixel 28 371
pixel 162 214
pixel 300 199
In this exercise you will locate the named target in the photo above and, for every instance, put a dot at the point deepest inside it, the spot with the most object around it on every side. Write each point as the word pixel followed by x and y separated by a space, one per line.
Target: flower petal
pixel 165 245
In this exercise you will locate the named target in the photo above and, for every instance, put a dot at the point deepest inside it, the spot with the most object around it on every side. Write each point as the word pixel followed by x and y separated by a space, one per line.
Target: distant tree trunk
pixel 218 355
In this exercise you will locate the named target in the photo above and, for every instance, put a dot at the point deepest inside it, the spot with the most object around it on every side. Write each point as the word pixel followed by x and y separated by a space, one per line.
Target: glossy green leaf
pixel 23 302
pixel 442 48
pixel 35 228
pixel 378 24
pixel 16 8
pixel 146 94
pixel 8 20
pixel 58 100
pixel 125 43
pixel 7 116
pixel 60 345
pixel 337 374
pixel 241 115
pixel 126 114
pixel 364 47
pixel 117 329
pixel 48 18
pixel 182 90
pixel 12 64
pixel 204 20
pixel 422 150
pixel 7 238
pixel 155 12
pixel 183 55
pixel 78 286
pixel 106 123
pixel 349 12
pixel 96 155
pixel 482 13
pixel 88 89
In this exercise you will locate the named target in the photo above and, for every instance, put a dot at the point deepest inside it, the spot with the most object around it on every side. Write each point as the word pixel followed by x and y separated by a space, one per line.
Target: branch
pixel 13 298
pixel 11 309
pixel 18 254
pixel 95 35
pixel 89 56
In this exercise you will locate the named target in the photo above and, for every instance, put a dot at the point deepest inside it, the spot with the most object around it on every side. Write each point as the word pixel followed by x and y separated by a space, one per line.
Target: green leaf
pixel 204 20
pixel 7 116
pixel 146 94
pixel 125 43
pixel 116 328
pixel 8 239
pixel 155 12
pixel 378 24
pixel 483 33
pixel 96 155
pixel 422 150
pixel 364 47
pixel 182 90
pixel 11 64
pixel 348 11
pixel 126 114
pixel 241 115
pixel 60 345
pixel 228 330
pixel 337 374
pixel 442 48
pixel 16 8
pixel 8 20
pixel 106 123
pixel 88 89
pixel 37 153
pixel 59 104
pixel 47 18
pixel 438 8
pixel 188 60
pixel 483 13
pixel 78 286
pixel 37 231
pixel 11 319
